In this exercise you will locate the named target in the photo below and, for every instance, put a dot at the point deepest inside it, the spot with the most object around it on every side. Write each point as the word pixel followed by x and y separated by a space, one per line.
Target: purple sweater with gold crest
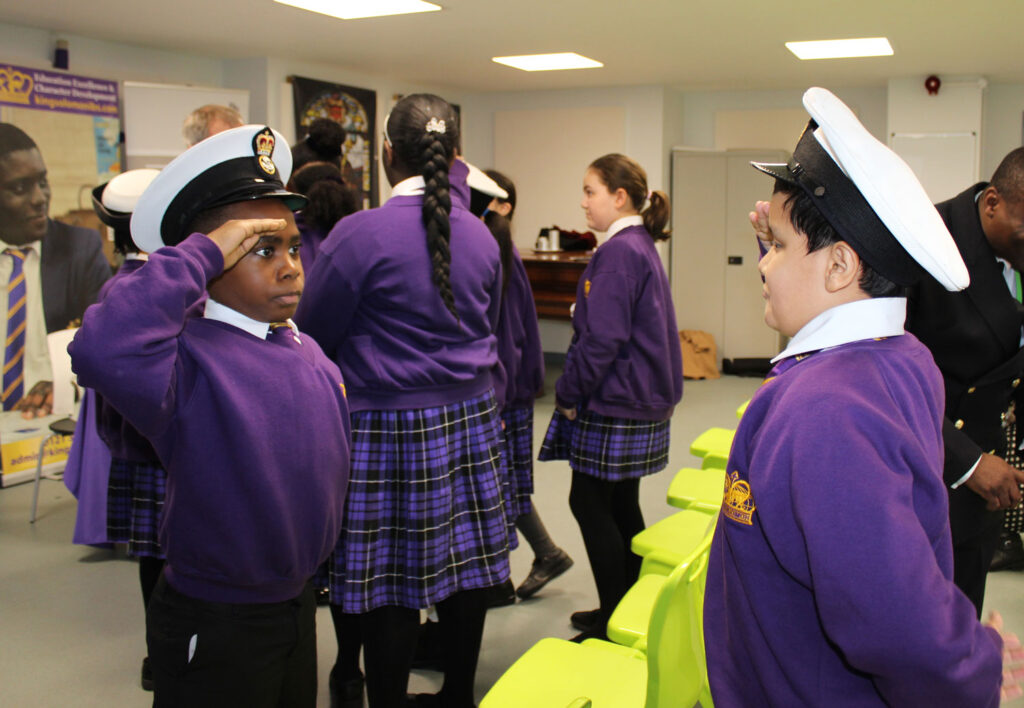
pixel 625 359
pixel 830 578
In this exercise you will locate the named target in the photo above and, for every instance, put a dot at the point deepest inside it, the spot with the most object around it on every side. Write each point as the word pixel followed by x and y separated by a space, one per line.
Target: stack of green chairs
pixel 698 489
pixel 557 673
pixel 713 440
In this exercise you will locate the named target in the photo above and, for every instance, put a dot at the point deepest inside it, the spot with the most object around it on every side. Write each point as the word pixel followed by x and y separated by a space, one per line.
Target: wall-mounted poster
pixel 355 109
pixel 74 121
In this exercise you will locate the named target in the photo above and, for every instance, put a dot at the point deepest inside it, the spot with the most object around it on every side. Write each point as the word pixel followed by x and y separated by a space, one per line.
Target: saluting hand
pixel 759 220
pixel 996 481
pixel 238 236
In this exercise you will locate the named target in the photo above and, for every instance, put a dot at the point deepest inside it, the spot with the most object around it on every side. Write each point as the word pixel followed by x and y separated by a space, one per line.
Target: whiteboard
pixel 154 113
pixel 945 163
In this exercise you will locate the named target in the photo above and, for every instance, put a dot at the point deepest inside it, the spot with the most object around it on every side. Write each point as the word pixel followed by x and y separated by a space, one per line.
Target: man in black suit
pixel 63 266
pixel 975 337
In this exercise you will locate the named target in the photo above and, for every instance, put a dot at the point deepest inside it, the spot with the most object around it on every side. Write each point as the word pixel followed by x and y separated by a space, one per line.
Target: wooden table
pixel 554 276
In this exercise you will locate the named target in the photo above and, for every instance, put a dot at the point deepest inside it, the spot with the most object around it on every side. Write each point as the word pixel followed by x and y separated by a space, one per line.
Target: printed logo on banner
pixel 52 91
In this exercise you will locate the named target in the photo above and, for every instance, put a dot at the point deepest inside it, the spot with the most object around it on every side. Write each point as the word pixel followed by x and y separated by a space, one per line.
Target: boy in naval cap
pixel 830 577
pixel 247 416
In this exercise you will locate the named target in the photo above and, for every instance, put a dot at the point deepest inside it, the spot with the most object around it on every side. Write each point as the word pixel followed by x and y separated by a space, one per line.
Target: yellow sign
pixel 21 455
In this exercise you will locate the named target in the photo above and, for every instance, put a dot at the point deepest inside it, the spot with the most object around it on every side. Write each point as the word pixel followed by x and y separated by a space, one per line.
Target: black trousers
pixel 218 654
pixel 609 516
pixel 971 560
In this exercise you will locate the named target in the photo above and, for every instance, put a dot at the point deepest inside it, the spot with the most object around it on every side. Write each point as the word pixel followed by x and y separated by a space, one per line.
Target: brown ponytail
pixel 656 216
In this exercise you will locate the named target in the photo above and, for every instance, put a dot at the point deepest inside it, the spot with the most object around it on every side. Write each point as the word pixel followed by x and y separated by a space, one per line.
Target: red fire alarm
pixel 932 84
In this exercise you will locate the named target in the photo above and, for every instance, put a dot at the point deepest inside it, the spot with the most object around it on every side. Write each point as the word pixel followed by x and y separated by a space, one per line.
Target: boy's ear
pixel 843 269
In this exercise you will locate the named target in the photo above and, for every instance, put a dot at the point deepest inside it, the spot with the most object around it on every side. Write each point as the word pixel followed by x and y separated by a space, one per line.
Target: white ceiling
pixel 723 44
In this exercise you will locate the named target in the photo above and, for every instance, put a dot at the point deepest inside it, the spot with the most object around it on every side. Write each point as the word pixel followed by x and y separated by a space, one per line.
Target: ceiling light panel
pixel 841 48
pixel 358 9
pixel 548 62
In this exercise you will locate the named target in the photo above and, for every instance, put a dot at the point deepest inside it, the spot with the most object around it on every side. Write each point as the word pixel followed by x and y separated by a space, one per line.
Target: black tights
pixel 609 516
pixel 388 638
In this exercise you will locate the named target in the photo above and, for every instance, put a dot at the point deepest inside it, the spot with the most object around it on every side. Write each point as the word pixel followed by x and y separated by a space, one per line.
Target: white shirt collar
pixel 36 246
pixel 136 257
pixel 409 187
pixel 850 322
pixel 223 313
pixel 618 225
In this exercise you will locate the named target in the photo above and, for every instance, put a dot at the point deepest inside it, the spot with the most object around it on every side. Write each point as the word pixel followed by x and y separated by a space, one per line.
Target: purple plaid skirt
pixel 519 455
pixel 612 449
pixel 135 498
pixel 425 514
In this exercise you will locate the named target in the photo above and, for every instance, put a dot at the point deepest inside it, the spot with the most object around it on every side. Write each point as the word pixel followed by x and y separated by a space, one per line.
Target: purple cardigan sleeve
pixel 127 346
pixel 603 324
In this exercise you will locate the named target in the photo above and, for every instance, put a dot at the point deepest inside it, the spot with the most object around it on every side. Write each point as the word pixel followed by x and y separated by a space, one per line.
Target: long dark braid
pixel 424 132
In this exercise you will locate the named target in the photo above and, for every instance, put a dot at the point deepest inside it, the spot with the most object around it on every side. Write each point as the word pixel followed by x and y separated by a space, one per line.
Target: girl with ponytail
pixel 405 298
pixel 622 378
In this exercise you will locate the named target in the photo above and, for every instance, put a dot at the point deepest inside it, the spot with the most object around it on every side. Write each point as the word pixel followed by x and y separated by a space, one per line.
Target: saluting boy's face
pixel 267 282
pixel 794 280
pixel 601 207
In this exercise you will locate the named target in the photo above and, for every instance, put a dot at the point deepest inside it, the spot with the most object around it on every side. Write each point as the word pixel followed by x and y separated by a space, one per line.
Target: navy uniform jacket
pixel 974 336
pixel 72 269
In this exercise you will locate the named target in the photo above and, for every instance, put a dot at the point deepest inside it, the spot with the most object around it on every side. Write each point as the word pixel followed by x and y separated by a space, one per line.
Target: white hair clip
pixel 435 126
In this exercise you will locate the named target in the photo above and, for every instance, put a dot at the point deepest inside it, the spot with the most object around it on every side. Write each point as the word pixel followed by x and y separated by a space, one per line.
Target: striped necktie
pixel 14 353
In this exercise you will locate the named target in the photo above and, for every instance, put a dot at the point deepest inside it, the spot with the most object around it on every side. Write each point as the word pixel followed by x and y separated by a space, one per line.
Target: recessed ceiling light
pixel 357 9
pixel 841 48
pixel 548 62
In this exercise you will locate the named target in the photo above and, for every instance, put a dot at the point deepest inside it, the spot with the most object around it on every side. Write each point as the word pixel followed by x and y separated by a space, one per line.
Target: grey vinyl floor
pixel 71 618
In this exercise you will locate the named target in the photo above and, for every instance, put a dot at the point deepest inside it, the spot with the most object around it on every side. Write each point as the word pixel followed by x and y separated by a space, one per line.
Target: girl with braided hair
pixel 405 298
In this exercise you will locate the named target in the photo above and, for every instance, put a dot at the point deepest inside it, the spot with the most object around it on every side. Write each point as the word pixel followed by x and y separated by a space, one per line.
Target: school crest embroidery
pixel 586 288
pixel 263 148
pixel 737 501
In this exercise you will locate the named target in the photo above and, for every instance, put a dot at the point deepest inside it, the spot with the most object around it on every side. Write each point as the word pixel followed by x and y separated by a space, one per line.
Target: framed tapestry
pixel 355 109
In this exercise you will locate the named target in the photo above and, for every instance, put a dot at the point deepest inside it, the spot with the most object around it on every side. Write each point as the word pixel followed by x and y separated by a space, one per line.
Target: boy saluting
pixel 830 578
pixel 247 416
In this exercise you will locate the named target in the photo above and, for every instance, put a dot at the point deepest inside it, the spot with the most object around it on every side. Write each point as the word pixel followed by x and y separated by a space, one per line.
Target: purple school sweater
pixel 625 360
pixel 254 434
pixel 371 304
pixel 519 347
pixel 830 577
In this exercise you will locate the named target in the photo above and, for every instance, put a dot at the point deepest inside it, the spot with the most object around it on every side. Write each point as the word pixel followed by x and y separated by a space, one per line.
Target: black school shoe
pixel 1009 553
pixel 147 675
pixel 543 571
pixel 587 621
pixel 345 694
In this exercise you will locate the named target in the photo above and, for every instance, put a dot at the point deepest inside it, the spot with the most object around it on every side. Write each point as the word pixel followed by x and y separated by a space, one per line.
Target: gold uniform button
pixel 972 389
pixel 959 424
pixel 1015 383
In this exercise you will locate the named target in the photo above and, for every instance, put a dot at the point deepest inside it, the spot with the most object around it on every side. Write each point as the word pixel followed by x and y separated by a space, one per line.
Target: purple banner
pixel 54 91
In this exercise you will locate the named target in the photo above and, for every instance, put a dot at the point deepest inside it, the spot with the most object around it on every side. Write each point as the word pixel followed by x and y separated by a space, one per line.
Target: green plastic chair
pixel 556 673
pixel 713 460
pixel 672 540
pixel 628 624
pixel 698 489
pixel 716 440
pixel 742 409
